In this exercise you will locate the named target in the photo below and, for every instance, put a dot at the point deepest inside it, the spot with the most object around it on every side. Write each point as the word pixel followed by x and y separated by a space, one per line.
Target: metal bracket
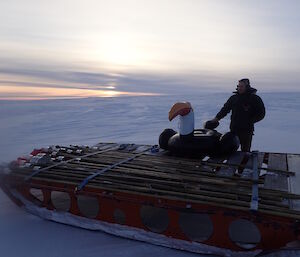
pixel 254 197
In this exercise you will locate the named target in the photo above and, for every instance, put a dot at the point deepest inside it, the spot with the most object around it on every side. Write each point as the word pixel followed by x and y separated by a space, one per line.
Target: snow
pixel 32 124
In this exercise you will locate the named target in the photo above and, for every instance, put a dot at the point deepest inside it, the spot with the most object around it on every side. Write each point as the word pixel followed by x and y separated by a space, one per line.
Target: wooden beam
pixel 294 182
pixel 274 180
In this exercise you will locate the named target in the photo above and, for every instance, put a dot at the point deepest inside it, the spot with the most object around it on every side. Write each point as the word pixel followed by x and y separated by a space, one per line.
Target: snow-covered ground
pixel 28 124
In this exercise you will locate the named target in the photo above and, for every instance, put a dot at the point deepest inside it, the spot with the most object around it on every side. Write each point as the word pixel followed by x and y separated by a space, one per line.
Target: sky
pixel 117 47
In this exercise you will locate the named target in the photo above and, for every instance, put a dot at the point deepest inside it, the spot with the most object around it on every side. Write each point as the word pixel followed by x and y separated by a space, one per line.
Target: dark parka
pixel 246 109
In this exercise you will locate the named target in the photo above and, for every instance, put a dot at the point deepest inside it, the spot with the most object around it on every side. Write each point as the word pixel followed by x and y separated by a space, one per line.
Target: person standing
pixel 246 109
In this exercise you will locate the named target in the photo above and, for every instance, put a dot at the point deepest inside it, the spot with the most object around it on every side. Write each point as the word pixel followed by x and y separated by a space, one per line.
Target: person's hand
pixel 211 124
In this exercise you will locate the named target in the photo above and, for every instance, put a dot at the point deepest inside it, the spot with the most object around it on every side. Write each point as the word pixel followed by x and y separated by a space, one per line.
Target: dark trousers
pixel 245 138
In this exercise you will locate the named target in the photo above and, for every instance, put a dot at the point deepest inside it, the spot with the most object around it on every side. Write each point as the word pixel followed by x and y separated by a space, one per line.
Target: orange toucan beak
pixel 181 108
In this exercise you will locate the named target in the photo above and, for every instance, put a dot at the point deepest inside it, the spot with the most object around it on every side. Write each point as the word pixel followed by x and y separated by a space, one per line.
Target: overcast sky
pixel 149 46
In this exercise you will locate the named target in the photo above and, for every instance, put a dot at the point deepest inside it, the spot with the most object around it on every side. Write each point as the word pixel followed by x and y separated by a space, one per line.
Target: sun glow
pixel 214 41
pixel 39 93
pixel 117 50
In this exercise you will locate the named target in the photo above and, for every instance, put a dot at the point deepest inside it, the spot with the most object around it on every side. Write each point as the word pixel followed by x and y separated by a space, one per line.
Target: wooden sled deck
pixel 238 205
pixel 261 181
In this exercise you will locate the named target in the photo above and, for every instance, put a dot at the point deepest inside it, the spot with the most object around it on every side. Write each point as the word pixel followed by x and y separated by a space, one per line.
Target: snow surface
pixel 28 124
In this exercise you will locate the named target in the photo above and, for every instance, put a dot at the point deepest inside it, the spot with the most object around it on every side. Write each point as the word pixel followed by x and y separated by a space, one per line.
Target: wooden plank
pixel 154 178
pixel 185 197
pixel 274 180
pixel 248 169
pixel 186 162
pixel 108 168
pixel 211 160
pixel 60 163
pixel 72 169
pixel 294 182
pixel 65 175
pixel 170 160
pixel 153 165
pixel 260 157
pixel 146 173
pixel 172 173
pixel 234 159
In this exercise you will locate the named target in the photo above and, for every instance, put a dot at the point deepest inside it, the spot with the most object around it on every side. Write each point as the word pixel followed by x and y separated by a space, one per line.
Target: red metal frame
pixel 275 231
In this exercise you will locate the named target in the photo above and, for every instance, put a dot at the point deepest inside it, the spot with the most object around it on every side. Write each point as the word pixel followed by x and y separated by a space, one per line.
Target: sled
pixel 238 205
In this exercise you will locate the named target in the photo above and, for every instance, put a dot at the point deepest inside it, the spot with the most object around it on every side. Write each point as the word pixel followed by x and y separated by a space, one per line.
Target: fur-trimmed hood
pixel 250 90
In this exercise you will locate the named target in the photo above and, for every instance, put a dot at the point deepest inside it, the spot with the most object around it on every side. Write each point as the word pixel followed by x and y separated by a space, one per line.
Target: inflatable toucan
pixel 194 142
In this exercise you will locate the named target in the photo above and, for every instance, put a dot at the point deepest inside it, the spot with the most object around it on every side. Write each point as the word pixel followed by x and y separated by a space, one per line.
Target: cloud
pixel 189 47
pixel 26 74
pixel 52 74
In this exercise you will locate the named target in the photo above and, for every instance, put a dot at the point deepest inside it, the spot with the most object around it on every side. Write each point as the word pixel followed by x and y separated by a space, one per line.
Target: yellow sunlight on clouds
pixel 39 93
